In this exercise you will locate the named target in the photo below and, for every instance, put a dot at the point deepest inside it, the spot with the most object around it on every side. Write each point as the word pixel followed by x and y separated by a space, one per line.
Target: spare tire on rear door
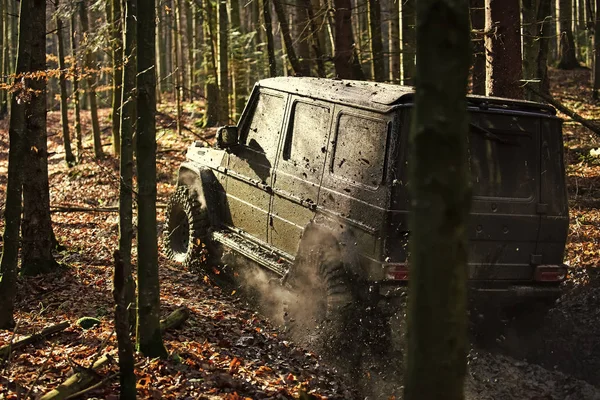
pixel 186 228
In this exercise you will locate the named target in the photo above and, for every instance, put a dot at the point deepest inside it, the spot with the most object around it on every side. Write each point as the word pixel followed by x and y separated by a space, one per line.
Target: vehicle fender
pixel 203 185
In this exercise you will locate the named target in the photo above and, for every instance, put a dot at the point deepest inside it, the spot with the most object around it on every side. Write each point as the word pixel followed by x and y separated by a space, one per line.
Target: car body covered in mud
pixel 315 173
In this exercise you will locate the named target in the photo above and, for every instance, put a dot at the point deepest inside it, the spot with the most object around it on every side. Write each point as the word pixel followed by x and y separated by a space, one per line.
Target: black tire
pixel 321 311
pixel 186 229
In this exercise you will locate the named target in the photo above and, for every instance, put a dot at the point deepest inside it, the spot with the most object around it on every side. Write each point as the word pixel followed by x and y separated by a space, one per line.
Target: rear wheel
pixel 320 312
pixel 186 229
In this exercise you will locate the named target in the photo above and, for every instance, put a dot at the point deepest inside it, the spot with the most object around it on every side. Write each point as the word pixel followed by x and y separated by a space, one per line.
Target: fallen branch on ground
pixel 7 349
pixel 83 379
pixel 574 116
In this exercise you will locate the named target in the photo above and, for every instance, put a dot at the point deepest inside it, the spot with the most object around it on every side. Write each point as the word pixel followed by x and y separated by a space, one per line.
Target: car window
pixel 306 143
pixel 360 149
pixel 262 129
pixel 503 164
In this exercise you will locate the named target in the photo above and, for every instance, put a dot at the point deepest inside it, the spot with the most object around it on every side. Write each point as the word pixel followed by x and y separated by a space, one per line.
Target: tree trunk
pixel 503 38
pixel 189 38
pixel 125 346
pixel 409 18
pixel 287 39
pixel 568 57
pixel 239 70
pixel 300 26
pixel 36 226
pixel 394 39
pixel 344 58
pixel 148 336
pixel 14 185
pixel 223 62
pixel 128 127
pixel 441 193
pixel 211 114
pixel 117 72
pixel 64 107
pixel 266 12
pixel 538 78
pixel 76 70
pixel 596 69
pixel 178 66
pixel 4 43
pixel 377 66
pixel 91 84
pixel 477 10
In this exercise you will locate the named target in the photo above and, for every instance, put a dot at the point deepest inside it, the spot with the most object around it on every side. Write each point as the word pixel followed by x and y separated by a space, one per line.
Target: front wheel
pixel 186 229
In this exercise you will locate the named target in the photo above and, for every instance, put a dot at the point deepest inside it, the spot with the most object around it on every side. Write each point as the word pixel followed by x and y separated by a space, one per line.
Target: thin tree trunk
pixel 91 84
pixel 76 70
pixel 378 64
pixel 223 62
pixel 3 58
pixel 345 59
pixel 117 72
pixel 160 51
pixel 64 108
pixel 128 127
pixel 596 69
pixel 409 18
pixel 240 91
pixel 125 345
pixel 301 27
pixel 568 57
pixel 441 198
pixel 394 40
pixel 14 185
pixel 503 50
pixel 36 226
pixel 148 335
pixel 287 39
pixel 211 114
pixel 189 35
pixel 477 10
pixel 266 12
pixel 178 66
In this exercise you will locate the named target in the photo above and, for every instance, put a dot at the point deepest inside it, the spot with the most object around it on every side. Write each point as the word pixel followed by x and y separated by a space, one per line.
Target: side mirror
pixel 227 136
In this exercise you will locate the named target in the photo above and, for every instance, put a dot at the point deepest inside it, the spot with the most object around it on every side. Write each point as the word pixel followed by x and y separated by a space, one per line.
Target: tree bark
pixel 287 39
pixel 503 49
pixel 125 345
pixel 377 66
pixel 178 66
pixel 75 69
pixel 477 10
pixel 91 84
pixel 64 107
pixel 394 39
pixel 116 24
pixel 36 227
pixel 596 67
pixel 14 185
pixel 128 127
pixel 149 338
pixel 266 12
pixel 544 30
pixel 567 56
pixel 211 114
pixel 441 196
pixel 223 23
pixel 409 20
pixel 344 59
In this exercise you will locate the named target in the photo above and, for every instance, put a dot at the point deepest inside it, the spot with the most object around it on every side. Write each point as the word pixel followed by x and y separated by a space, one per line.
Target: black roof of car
pixel 382 96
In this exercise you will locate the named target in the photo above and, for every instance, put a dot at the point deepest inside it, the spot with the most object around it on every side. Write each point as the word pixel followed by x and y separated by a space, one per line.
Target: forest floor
pixel 227 349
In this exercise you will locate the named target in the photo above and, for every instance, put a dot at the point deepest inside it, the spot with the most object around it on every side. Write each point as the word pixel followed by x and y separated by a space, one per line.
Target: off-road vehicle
pixel 312 185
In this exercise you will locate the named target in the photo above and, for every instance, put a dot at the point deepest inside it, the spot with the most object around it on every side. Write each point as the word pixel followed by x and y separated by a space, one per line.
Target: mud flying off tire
pixel 322 309
pixel 186 229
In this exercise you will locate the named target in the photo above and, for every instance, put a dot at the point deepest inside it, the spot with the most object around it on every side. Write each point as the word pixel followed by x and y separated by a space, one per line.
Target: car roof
pixel 383 96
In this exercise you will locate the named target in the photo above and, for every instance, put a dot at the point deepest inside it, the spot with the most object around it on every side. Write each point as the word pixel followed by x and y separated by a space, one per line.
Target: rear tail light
pixel 396 272
pixel 550 273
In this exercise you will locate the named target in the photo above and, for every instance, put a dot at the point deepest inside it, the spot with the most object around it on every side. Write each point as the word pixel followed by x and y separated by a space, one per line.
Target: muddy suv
pixel 312 185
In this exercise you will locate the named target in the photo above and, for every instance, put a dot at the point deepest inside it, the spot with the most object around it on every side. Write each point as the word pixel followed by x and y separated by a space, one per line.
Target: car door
pixel 300 164
pixel 251 164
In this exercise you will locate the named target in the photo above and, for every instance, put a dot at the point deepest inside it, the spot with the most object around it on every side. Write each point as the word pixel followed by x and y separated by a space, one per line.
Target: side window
pixel 306 142
pixel 262 129
pixel 360 149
